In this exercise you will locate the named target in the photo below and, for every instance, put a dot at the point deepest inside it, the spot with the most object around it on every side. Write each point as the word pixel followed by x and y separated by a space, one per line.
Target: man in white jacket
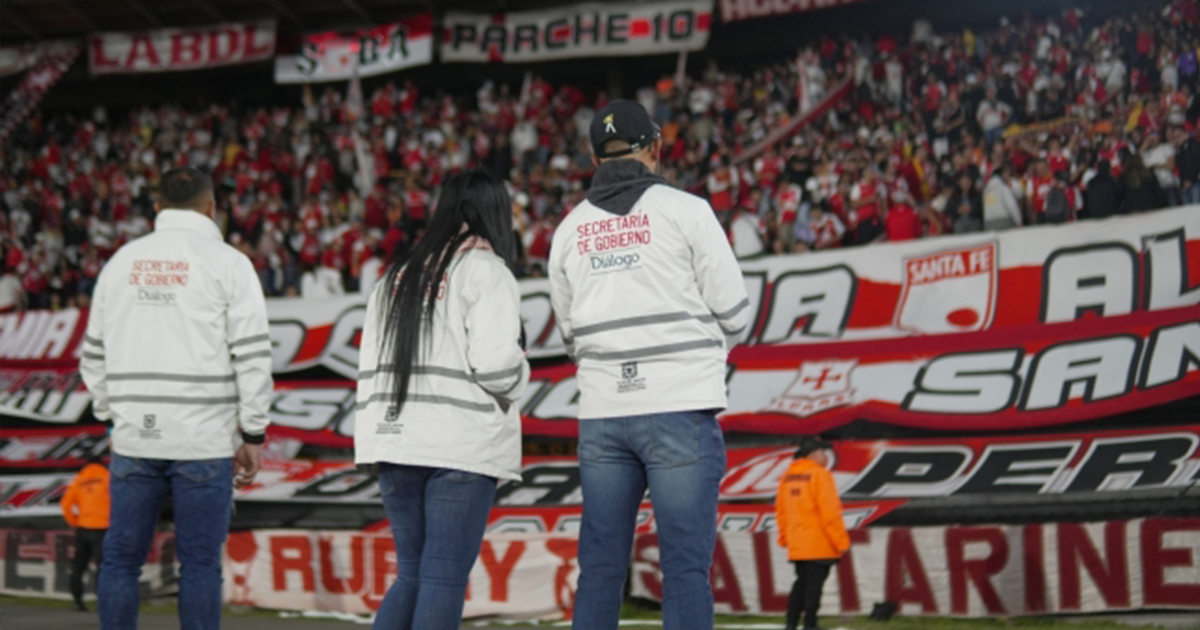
pixel 178 358
pixel 649 298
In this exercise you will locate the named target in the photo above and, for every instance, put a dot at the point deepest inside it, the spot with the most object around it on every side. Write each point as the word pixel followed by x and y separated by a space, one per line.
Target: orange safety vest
pixel 86 502
pixel 809 513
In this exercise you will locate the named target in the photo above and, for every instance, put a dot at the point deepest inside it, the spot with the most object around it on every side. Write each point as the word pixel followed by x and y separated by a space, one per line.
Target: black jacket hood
pixel 619 184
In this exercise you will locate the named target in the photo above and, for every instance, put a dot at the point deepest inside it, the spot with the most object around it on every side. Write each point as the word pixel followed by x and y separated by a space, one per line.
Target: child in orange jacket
pixel 808 514
pixel 85 506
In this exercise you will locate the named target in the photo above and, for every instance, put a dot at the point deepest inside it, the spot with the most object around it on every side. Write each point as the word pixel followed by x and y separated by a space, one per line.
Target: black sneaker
pixel 80 606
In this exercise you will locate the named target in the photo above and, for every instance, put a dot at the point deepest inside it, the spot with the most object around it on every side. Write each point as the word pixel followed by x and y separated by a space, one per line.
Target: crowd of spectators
pixel 1038 120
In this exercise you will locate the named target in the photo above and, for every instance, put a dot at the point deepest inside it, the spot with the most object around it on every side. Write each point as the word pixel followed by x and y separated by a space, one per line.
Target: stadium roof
pixel 29 20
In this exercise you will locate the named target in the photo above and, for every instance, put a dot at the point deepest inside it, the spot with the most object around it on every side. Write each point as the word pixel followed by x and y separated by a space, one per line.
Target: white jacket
pixel 177 353
pixel 1000 203
pixel 648 303
pixel 460 411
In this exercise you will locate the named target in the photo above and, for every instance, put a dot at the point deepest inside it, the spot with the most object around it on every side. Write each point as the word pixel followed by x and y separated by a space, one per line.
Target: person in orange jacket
pixel 809 517
pixel 85 507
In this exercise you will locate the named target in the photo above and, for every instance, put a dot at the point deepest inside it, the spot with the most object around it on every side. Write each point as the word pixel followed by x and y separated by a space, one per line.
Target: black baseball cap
pixel 811 444
pixel 622 120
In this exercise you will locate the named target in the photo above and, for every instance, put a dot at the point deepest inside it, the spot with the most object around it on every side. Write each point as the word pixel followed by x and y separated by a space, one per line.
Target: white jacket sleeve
pixel 91 360
pixel 368 347
pixel 246 333
pixel 560 299
pixel 493 325
pixel 718 275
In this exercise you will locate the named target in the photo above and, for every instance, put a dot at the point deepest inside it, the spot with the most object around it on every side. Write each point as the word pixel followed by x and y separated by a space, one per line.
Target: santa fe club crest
pixel 949 291
pixel 819 386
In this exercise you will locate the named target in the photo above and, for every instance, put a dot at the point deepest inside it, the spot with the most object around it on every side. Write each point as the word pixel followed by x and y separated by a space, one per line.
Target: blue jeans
pixel 681 457
pixel 438 517
pixel 992 136
pixel 1191 194
pixel 202 490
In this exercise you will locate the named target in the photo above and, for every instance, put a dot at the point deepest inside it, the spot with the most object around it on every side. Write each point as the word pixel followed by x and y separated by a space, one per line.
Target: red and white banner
pixel 1019 378
pixel 961 286
pixel 55 395
pixel 875 477
pixel 582 30
pixel 173 49
pixel 517 575
pixel 1027 328
pixel 24 449
pixel 948 285
pixel 336 56
pixel 547 499
pixel 975 571
pixel 734 10
pixel 999 380
pixel 1028 469
pixel 1033 468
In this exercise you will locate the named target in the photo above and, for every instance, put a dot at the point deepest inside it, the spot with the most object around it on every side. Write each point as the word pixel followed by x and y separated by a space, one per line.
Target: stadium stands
pixel 912 151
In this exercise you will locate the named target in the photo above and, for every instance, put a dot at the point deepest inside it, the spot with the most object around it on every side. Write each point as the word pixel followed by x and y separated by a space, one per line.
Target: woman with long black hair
pixel 441 366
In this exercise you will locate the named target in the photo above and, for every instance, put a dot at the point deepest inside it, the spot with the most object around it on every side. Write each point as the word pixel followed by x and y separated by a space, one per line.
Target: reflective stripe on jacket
pixel 649 304
pixel 177 352
pixel 461 410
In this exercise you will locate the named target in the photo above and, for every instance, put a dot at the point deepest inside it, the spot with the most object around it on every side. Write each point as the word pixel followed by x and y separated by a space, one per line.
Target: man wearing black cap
pixel 808 515
pixel 649 299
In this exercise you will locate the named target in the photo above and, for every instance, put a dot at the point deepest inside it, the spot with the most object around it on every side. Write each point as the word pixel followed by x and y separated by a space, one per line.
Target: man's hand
pixel 246 463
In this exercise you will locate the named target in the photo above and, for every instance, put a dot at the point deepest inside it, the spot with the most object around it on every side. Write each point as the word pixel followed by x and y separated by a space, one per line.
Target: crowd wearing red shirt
pixel 319 195
pixel 1041 120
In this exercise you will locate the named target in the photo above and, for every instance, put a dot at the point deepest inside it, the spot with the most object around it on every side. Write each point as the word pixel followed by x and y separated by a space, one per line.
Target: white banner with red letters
pixel 174 49
pixel 961 571
pixel 973 571
pixel 734 10
pixel 581 30
pixel 337 56
pixel 517 575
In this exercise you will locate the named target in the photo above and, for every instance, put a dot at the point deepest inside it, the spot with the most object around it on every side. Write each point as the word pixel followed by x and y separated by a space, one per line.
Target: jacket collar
pixel 186 220
pixel 619 184
pixel 802 463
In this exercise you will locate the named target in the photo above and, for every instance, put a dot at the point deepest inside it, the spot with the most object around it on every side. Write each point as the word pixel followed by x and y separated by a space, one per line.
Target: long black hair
pixel 472 204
